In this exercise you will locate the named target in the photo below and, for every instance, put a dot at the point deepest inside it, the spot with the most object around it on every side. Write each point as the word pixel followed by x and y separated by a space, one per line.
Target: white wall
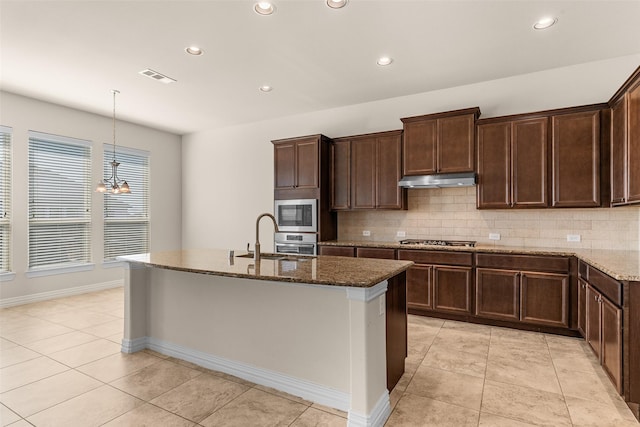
pixel 228 173
pixel 24 114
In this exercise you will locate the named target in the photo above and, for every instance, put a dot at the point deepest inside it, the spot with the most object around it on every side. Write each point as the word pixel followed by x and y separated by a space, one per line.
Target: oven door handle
pixel 290 248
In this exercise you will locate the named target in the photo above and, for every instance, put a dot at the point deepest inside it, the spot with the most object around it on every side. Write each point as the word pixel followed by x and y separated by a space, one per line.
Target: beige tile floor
pixel 60 365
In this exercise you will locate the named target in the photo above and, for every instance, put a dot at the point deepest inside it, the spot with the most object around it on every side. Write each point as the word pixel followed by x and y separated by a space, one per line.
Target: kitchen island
pixel 315 327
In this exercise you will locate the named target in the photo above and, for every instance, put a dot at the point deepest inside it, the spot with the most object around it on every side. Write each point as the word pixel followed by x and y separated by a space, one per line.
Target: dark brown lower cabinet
pixel 419 287
pixel 434 287
pixel 593 331
pixel 544 299
pixel 523 296
pixel 337 250
pixel 452 289
pixel 396 332
pixel 498 294
pixel 604 334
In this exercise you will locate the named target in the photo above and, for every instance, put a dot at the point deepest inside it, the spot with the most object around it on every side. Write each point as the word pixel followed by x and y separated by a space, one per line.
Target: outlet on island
pixel 401 234
pixel 494 236
pixel 366 233
pixel 573 238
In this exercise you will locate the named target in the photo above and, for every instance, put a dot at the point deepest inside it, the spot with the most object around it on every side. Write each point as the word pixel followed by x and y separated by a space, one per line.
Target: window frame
pixel 48 223
pixel 139 182
pixel 6 139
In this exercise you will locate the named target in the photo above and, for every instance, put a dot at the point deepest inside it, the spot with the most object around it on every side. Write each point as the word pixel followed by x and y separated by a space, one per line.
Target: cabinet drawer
pixel 382 253
pixel 338 250
pixel 436 257
pixel 608 286
pixel 524 262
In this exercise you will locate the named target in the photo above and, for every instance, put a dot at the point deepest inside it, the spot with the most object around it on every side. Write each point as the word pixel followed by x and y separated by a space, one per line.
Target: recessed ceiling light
pixel 336 4
pixel 194 50
pixel 266 88
pixel 264 8
pixel 545 23
pixel 384 60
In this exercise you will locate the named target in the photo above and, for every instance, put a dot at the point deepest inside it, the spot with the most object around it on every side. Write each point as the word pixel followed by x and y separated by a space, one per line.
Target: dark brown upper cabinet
pixel 625 143
pixel 341 174
pixel 439 143
pixel 366 170
pixel 302 168
pixel 575 155
pixel 297 163
pixel 512 163
pixel 544 159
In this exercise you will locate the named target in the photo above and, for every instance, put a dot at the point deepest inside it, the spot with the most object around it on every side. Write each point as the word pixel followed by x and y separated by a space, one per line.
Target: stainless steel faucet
pixel 256 252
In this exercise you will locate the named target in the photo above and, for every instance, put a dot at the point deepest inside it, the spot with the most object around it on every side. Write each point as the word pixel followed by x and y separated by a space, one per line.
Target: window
pixel 59 201
pixel 126 216
pixel 5 199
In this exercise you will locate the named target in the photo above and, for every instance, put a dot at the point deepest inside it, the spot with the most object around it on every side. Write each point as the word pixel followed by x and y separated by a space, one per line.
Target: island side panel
pixel 298 330
pixel 136 281
pixel 370 405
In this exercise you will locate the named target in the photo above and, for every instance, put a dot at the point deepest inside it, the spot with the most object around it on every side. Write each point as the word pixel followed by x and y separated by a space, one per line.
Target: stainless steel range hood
pixel 439 181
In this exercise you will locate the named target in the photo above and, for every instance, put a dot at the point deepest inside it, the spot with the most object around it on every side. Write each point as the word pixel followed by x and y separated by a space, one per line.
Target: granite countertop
pixel 619 264
pixel 322 270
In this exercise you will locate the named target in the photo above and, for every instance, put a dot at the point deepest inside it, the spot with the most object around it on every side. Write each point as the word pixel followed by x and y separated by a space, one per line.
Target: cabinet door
pixel 576 159
pixel 612 342
pixel 494 166
pixel 456 139
pixel 452 289
pixel 363 173
pixel 529 163
pixel 593 320
pixel 307 163
pixel 389 172
pixel 419 144
pixel 419 285
pixel 341 175
pixel 633 147
pixel 285 165
pixel 619 152
pixel 498 294
pixel 544 299
pixel 582 307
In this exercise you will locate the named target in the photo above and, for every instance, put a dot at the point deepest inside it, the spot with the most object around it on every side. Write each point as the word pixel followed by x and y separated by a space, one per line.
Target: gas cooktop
pixel 467 243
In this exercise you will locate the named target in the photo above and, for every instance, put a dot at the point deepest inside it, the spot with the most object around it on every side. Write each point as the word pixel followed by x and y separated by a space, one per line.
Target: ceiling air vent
pixel 157 76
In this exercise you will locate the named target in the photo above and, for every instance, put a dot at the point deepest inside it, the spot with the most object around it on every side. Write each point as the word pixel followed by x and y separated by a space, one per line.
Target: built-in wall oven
pixel 300 216
pixel 296 243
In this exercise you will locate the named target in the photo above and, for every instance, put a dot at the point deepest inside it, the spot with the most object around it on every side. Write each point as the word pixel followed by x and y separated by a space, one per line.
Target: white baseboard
pixel 295 386
pixel 43 296
pixel 376 418
pixel 132 346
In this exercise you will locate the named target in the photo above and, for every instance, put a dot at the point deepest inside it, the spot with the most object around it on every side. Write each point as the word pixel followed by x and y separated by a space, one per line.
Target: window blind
pixel 59 200
pixel 126 216
pixel 5 198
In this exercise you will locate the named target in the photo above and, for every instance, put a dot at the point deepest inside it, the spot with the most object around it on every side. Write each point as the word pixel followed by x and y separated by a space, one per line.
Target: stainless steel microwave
pixel 297 215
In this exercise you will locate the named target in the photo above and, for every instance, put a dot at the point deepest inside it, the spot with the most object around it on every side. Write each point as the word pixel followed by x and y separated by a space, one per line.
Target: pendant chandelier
pixel 113 184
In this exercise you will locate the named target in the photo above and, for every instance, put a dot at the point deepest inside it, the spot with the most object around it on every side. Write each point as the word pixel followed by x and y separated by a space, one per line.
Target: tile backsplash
pixel 450 213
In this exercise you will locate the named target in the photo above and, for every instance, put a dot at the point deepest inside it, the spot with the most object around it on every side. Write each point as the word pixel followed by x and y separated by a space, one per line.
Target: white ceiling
pixel 74 52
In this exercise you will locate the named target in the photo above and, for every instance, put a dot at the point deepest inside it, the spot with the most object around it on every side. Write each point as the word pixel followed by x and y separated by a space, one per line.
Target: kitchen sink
pixel 277 257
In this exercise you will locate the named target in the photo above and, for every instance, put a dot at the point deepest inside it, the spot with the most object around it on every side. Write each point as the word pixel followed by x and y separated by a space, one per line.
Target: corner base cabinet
pixel 604 301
